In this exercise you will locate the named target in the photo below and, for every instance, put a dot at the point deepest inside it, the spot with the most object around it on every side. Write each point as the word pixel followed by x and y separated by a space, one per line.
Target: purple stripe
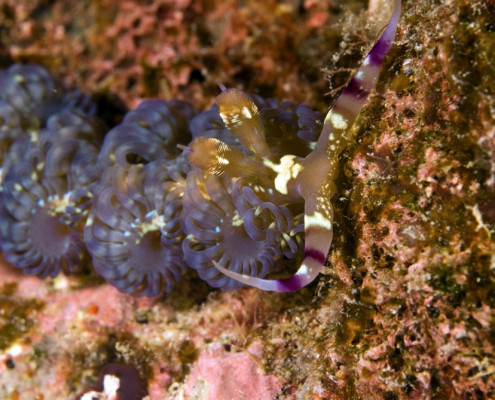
pixel 289 285
pixel 356 90
pixel 379 51
pixel 316 255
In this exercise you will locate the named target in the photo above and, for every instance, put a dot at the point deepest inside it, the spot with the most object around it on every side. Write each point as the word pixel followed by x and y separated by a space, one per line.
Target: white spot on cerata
pixel 245 111
pixel 222 160
pixel 337 120
pixel 230 118
pixel 317 220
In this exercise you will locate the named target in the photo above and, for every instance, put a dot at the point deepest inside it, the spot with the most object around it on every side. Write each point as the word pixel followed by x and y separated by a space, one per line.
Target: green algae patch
pixel 355 325
pixel 188 354
pixel 16 315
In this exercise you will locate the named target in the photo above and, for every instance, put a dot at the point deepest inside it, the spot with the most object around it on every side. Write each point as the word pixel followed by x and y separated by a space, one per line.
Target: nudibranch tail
pixel 307 272
pixel 318 170
pixel 341 117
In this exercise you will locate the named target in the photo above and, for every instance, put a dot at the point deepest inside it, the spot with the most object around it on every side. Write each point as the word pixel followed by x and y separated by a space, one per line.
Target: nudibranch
pixel 232 214
pixel 291 177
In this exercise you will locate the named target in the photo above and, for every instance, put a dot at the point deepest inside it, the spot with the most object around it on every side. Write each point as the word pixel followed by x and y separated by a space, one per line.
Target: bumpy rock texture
pixel 405 308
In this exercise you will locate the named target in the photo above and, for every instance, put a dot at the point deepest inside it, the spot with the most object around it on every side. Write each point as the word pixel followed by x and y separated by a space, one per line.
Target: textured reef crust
pixel 404 308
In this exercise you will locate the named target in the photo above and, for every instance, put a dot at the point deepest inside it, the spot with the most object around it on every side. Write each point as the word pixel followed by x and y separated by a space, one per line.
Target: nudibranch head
pixel 234 213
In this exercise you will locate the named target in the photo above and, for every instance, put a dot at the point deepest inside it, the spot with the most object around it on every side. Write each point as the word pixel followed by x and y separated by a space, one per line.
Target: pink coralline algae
pixel 404 305
pixel 223 375
pixel 169 48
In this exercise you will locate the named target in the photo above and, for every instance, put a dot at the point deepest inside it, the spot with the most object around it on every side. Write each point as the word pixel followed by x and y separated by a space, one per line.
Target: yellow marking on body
pixel 337 120
pixel 287 169
pixel 317 220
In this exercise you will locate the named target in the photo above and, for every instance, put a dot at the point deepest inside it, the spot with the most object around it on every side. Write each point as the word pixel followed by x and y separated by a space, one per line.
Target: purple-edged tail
pixel 308 271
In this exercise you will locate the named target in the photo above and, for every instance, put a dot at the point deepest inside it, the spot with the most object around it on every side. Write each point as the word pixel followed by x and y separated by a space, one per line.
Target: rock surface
pixel 405 308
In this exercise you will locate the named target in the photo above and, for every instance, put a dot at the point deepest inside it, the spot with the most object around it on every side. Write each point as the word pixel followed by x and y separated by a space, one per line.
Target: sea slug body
pixel 312 177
